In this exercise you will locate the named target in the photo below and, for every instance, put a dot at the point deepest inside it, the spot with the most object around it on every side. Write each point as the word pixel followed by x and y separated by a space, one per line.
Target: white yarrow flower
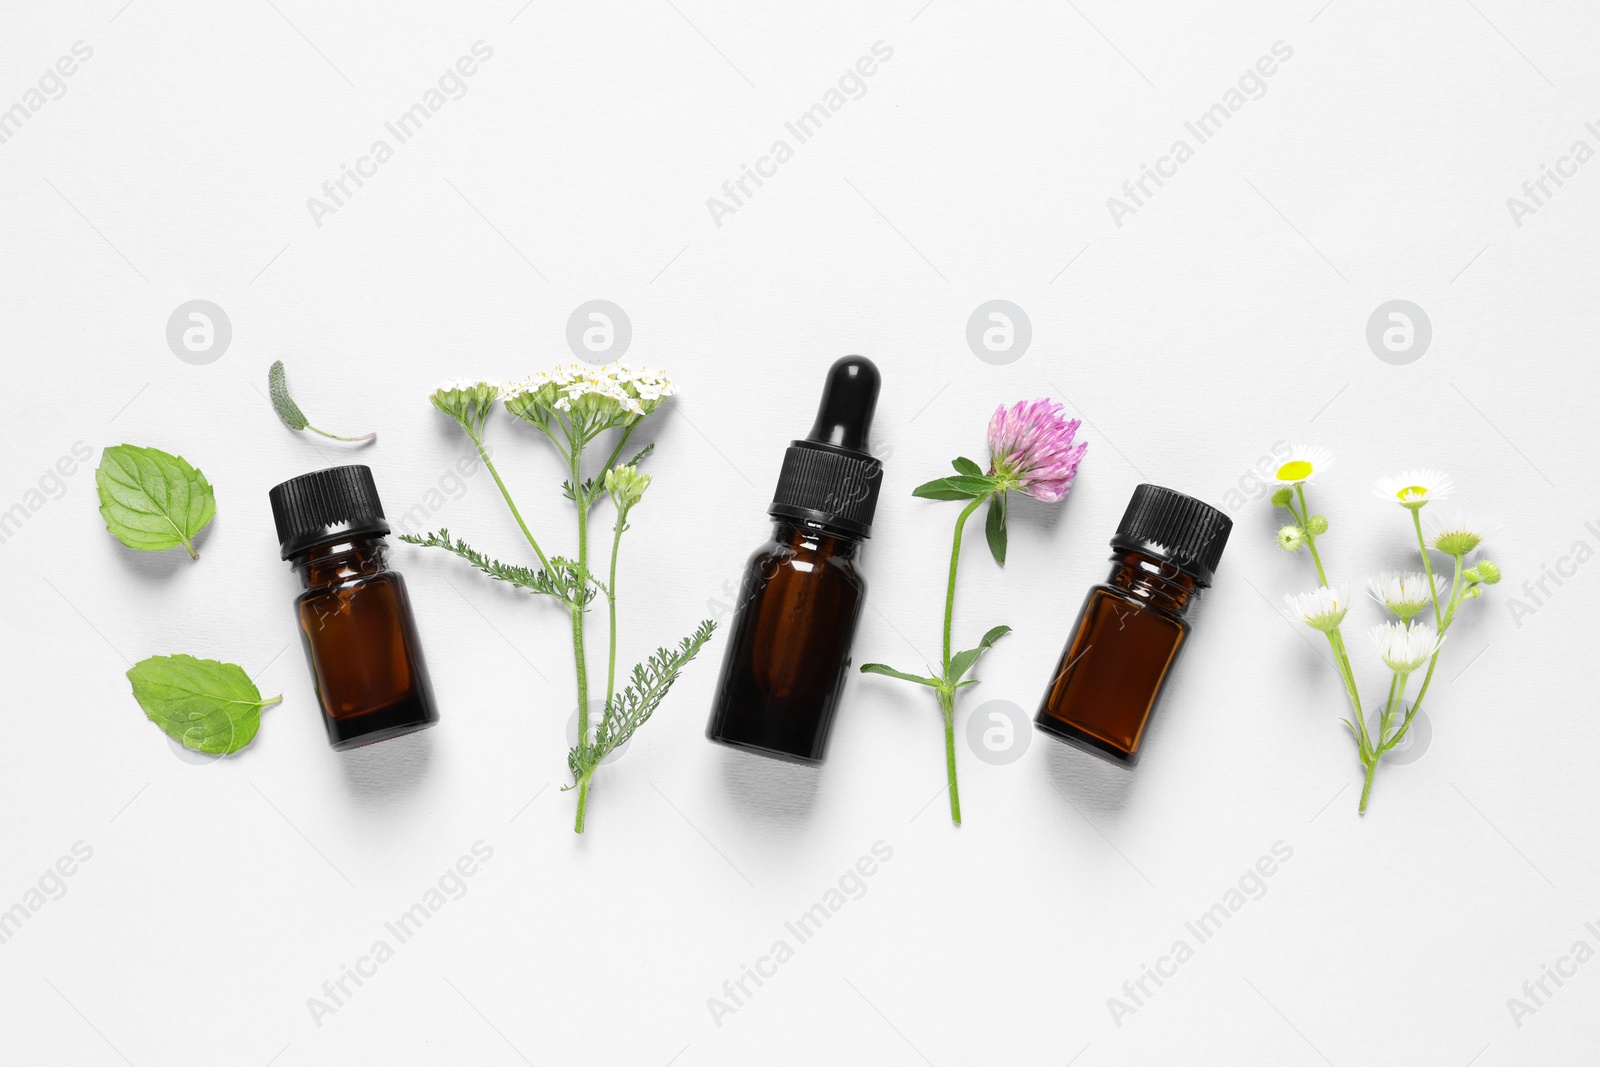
pixel 1405 648
pixel 1321 609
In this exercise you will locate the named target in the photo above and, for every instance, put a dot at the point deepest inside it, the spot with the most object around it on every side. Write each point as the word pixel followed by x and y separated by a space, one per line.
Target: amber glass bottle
pixel 789 645
pixel 1132 627
pixel 355 618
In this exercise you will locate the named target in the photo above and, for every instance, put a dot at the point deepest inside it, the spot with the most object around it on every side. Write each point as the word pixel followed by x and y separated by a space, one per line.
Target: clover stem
pixel 947 706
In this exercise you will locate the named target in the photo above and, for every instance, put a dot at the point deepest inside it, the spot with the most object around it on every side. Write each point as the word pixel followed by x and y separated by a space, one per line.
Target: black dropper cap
pixel 1177 529
pixel 327 504
pixel 830 478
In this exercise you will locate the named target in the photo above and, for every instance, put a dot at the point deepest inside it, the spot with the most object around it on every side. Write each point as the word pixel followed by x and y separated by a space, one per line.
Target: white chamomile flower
pixel 1291 538
pixel 1321 609
pixel 1304 463
pixel 1415 488
pixel 1404 593
pixel 1404 648
pixel 1458 535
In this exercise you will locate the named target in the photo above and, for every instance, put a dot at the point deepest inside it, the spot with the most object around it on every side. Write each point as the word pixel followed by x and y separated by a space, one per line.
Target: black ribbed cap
pixel 829 477
pixel 1179 529
pixel 326 504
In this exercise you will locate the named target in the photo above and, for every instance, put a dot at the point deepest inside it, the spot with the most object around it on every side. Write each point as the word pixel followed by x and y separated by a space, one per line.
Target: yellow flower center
pixel 1296 470
pixel 1411 492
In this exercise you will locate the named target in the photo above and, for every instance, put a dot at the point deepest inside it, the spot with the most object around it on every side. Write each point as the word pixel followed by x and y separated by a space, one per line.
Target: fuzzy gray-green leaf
pixel 282 402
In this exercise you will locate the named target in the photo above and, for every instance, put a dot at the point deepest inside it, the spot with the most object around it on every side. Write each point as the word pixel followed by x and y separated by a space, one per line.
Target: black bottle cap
pixel 1166 525
pixel 324 505
pixel 830 478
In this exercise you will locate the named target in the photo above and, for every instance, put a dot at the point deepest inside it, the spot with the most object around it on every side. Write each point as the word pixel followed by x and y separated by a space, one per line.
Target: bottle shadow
pixel 389 768
pixel 1095 788
pixel 780 794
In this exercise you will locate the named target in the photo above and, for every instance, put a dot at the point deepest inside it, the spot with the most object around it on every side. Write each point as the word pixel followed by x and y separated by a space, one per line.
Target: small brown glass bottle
pixel 355 617
pixel 1131 628
pixel 789 645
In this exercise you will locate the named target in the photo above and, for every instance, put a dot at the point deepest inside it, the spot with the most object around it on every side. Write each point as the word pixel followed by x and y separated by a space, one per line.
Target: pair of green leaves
pixel 960 664
pixel 202 704
pixel 970 483
pixel 152 500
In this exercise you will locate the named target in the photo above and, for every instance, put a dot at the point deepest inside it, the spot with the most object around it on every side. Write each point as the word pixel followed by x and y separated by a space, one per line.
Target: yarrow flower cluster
pixel 573 405
pixel 592 398
pixel 1405 644
pixel 1031 450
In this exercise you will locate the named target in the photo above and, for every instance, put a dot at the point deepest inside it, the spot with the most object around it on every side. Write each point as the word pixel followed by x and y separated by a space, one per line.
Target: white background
pixel 1225 316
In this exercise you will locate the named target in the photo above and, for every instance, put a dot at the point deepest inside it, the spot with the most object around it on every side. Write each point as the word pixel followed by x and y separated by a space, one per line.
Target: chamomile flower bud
pixel 1488 572
pixel 1281 496
pixel 1405 594
pixel 1316 525
pixel 1322 609
pixel 626 486
pixel 1290 538
pixel 1458 535
pixel 1404 648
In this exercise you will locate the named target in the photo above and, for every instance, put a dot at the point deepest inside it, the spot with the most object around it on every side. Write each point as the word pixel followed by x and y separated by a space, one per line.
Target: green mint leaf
pixel 282 402
pixel 289 411
pixel 632 707
pixel 963 465
pixel 201 704
pixel 884 668
pixel 958 488
pixel 151 500
pixel 962 662
pixel 995 528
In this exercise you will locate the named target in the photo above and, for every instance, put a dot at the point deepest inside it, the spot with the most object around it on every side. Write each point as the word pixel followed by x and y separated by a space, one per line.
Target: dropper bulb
pixel 844 417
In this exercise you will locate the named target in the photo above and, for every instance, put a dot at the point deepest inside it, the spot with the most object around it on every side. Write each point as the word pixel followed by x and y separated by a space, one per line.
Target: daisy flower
pixel 1414 488
pixel 1404 593
pixel 1321 609
pixel 1405 648
pixel 1031 449
pixel 1305 462
pixel 1458 535
pixel 1291 538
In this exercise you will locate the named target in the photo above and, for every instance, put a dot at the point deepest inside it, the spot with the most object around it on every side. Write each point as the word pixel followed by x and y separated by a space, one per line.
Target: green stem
pixel 1305 524
pixel 339 437
pixel 488 463
pixel 1341 657
pixel 580 653
pixel 583 802
pixel 1449 617
pixel 1366 790
pixel 950 596
pixel 1427 565
pixel 611 603
pixel 947 706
